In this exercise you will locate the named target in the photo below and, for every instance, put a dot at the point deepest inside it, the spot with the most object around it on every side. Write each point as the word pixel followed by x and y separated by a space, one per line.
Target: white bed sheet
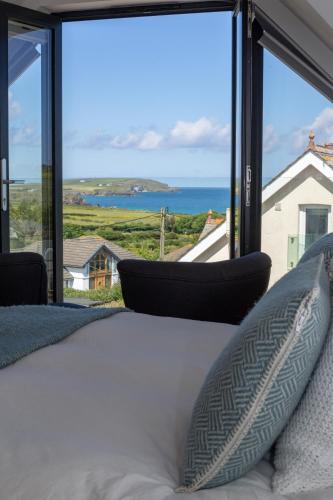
pixel 103 415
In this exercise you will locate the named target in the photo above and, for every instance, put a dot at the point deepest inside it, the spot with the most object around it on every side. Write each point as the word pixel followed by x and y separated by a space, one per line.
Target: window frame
pixel 54 24
pixel 303 216
pixel 255 24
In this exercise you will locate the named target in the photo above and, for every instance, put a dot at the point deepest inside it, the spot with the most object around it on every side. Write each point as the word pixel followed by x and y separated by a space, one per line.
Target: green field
pixel 136 230
pixel 86 215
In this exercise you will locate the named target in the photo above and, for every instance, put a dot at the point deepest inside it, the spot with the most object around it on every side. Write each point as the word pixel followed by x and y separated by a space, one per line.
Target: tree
pixel 26 220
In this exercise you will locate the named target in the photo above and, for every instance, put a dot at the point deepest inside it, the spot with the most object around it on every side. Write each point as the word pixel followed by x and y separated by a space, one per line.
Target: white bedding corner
pixel 103 414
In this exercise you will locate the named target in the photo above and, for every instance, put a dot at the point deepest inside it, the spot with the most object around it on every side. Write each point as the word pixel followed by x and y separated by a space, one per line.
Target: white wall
pixel 282 218
pixel 81 277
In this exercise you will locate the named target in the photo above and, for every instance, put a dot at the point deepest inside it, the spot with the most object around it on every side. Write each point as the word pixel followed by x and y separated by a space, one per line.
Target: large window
pixel 147 112
pixel 30 142
pixel 297 166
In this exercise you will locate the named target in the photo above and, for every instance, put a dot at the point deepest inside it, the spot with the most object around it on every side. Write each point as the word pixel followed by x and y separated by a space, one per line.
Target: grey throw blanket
pixel 25 329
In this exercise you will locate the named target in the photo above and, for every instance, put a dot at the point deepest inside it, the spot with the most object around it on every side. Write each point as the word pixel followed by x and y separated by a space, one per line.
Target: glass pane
pixel 316 221
pixel 30 148
pixel 147 158
pixel 297 166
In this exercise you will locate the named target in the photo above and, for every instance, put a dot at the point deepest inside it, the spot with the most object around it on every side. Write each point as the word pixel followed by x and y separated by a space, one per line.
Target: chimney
pixel 311 145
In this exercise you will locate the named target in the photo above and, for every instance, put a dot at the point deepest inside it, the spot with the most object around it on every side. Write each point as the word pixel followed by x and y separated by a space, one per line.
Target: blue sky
pixel 150 97
pixel 140 96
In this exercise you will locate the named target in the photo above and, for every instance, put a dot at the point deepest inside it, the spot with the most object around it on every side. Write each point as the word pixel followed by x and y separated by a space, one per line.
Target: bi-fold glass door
pixel 246 131
pixel 30 143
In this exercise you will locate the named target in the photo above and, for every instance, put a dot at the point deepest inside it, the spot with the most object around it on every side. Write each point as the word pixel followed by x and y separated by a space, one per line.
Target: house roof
pixel 325 153
pixel 210 225
pixel 78 251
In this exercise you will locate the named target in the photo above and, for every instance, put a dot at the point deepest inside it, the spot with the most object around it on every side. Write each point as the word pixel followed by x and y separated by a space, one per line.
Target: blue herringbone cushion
pixel 256 383
pixel 325 246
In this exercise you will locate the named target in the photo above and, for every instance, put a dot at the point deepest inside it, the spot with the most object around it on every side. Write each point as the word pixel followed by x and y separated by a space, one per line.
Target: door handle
pixel 4 182
pixel 3 187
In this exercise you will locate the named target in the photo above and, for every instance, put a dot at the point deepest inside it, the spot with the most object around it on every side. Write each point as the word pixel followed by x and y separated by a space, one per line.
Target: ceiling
pixel 56 6
pixel 312 12
pixel 317 15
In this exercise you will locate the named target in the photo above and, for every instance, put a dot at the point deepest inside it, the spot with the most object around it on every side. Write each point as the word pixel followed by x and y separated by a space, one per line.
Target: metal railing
pixel 297 245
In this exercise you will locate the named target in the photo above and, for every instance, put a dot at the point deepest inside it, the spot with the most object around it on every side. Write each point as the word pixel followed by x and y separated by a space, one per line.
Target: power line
pixel 133 220
pixel 164 213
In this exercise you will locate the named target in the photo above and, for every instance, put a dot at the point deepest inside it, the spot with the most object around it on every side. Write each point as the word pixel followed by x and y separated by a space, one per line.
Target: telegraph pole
pixel 164 212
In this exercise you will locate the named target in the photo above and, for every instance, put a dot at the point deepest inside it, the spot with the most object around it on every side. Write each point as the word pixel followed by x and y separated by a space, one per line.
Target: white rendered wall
pixel 81 277
pixel 283 219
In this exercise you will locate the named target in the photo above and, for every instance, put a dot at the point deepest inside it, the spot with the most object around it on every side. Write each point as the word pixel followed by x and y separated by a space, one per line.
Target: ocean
pixel 187 200
pixel 195 195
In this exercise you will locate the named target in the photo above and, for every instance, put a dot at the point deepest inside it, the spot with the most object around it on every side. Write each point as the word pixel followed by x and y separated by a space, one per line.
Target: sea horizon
pixel 185 200
pixel 181 182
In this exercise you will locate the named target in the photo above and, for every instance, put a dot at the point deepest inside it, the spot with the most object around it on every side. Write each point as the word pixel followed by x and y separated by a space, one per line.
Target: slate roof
pixel 210 225
pixel 78 251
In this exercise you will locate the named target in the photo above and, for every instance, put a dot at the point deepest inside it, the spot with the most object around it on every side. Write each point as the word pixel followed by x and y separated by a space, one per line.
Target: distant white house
pixel 91 262
pixel 297 208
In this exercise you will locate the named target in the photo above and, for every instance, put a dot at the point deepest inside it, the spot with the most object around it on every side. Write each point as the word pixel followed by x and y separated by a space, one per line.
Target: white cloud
pixel 143 141
pixel 202 133
pixel 150 140
pixel 102 140
pixel 271 139
pixel 14 106
pixel 322 126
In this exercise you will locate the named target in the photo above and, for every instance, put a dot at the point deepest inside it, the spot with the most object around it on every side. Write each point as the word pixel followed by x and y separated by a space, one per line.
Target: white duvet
pixel 103 415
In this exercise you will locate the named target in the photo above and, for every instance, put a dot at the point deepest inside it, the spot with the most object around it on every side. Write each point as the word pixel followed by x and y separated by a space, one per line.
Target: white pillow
pixel 304 452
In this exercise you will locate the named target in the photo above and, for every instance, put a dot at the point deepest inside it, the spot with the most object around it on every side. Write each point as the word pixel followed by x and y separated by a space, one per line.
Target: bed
pixel 104 413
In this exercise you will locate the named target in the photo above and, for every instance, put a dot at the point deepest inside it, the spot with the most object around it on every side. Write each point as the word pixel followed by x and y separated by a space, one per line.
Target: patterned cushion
pixel 323 245
pixel 255 384
pixel 304 452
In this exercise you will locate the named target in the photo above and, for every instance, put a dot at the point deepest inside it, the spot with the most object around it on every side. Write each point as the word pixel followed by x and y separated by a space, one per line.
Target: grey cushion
pixel 304 452
pixel 303 457
pixel 257 381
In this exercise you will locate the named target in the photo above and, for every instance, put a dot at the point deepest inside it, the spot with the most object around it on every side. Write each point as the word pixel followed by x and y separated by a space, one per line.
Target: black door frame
pixel 149 10
pixel 252 134
pixel 40 20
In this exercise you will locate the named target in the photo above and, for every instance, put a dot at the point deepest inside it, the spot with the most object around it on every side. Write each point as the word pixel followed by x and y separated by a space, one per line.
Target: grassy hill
pixel 89 215
pixel 113 185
